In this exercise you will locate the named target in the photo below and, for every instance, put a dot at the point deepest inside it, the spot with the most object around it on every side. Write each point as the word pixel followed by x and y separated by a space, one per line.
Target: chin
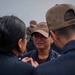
pixel 39 48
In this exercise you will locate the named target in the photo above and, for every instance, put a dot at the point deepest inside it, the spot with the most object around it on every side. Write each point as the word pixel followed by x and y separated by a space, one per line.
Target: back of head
pixel 11 30
pixel 60 16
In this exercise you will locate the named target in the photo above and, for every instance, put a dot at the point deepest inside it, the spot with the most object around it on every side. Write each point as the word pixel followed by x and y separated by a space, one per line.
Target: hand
pixel 31 61
pixel 34 63
pixel 26 59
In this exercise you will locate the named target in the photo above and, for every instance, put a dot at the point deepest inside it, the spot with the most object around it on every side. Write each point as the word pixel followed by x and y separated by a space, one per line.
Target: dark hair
pixel 11 30
pixel 66 32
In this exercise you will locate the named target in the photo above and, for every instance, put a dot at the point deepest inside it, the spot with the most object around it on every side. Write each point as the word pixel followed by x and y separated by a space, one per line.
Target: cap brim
pixel 45 34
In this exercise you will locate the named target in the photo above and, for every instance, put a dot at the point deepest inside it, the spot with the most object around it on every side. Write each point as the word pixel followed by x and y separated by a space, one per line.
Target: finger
pixel 26 59
pixel 32 61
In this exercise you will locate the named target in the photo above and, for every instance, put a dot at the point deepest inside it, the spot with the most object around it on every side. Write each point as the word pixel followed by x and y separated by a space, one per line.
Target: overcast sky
pixel 28 10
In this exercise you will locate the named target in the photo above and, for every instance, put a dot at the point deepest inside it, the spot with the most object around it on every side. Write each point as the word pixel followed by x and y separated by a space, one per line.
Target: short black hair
pixel 11 30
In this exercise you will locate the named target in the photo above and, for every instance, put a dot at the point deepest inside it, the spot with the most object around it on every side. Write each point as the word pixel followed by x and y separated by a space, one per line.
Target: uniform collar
pixel 9 55
pixel 70 46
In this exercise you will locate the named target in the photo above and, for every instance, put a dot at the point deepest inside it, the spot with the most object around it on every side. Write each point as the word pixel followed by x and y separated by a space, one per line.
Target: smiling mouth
pixel 39 44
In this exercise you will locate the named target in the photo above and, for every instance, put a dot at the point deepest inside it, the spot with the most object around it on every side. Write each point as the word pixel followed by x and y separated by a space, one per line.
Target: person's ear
pixel 20 43
pixel 53 35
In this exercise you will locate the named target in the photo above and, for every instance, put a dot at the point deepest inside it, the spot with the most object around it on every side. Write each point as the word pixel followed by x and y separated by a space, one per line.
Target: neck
pixel 16 52
pixel 66 40
pixel 43 53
